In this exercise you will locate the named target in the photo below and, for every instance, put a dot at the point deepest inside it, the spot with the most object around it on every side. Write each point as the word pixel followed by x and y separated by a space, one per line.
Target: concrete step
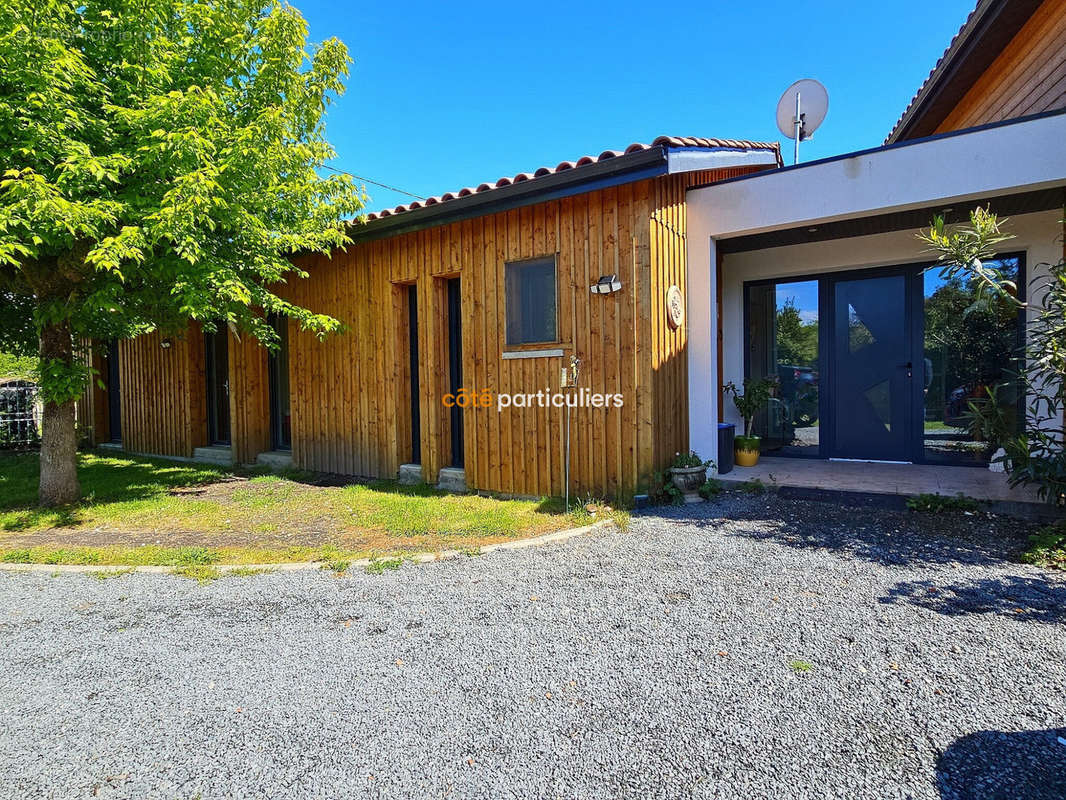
pixel 275 459
pixel 410 474
pixel 452 479
pixel 216 454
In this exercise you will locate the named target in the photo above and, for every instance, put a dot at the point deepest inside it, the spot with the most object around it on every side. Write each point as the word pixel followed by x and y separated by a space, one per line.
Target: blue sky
pixel 446 95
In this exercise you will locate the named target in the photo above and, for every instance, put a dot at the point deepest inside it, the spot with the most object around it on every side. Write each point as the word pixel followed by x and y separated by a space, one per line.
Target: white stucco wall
pixel 1039 236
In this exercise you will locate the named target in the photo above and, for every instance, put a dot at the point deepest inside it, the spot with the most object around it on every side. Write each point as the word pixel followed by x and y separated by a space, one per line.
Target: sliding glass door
pixel 884 364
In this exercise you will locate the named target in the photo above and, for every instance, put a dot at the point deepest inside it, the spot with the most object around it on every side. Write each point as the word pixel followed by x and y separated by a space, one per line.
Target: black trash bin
pixel 726 432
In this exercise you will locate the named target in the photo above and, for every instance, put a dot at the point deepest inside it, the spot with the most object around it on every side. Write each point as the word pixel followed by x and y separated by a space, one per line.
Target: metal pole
pixel 567 458
pixel 799 128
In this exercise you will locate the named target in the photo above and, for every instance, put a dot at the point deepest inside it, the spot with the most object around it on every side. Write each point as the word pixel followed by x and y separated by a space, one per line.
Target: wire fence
pixel 20 415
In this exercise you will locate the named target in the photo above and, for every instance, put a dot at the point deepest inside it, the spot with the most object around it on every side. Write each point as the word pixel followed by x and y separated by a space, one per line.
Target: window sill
pixel 553 352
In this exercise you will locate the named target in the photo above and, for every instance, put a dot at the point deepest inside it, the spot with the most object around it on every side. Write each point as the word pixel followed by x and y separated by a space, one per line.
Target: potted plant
pixel 757 393
pixel 688 472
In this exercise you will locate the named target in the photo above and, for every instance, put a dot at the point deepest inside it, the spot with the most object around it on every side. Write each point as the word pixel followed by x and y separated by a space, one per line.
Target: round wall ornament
pixel 675 307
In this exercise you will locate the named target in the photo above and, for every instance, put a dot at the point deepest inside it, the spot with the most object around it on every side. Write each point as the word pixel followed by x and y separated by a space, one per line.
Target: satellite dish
pixel 801 109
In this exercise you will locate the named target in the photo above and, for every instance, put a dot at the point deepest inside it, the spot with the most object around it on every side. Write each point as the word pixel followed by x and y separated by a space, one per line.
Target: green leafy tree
pixel 797 341
pixel 160 165
pixel 967 255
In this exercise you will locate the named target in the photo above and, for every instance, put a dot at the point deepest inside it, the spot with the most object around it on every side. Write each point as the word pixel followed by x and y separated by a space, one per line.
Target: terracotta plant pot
pixel 746 451
pixel 688 479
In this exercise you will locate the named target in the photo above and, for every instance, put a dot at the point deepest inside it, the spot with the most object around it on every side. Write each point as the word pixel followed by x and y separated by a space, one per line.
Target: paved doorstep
pixel 652 663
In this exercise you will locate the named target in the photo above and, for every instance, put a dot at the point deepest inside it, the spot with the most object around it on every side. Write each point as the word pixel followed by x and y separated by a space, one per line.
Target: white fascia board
pixel 689 159
pixel 1006 159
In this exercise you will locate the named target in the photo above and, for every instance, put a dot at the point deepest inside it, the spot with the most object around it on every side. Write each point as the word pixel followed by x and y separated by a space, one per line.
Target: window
pixel 531 292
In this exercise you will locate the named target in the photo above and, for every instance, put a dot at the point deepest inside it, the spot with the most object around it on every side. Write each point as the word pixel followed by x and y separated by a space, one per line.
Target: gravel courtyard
pixel 753 647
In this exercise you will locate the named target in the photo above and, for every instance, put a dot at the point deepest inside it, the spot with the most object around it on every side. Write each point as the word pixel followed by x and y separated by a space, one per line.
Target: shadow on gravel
pixel 880 535
pixel 995 765
pixel 1035 599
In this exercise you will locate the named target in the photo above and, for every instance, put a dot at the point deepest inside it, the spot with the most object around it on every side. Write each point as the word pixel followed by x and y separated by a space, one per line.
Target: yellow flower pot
pixel 746 458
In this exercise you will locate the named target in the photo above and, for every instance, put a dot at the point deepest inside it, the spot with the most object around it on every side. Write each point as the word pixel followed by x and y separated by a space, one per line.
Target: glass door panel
pixel 783 344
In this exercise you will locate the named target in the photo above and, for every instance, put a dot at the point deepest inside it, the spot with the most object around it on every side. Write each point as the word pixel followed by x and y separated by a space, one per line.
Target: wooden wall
pixel 163 404
pixel 92 416
pixel 351 392
pixel 1028 77
pixel 249 391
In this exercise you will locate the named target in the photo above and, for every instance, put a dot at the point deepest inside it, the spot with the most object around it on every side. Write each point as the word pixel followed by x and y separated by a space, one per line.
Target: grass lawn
pixel 146 511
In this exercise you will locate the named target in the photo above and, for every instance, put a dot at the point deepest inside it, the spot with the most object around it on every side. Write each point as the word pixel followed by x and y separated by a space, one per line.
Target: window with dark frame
pixel 531 294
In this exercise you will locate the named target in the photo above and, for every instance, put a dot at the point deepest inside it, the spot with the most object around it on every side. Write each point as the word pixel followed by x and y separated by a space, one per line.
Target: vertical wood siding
pixel 1028 77
pixel 91 407
pixel 669 361
pixel 249 392
pixel 351 393
pixel 163 404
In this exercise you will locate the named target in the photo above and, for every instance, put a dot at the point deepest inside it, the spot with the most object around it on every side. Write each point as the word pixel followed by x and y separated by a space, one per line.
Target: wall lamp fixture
pixel 607 284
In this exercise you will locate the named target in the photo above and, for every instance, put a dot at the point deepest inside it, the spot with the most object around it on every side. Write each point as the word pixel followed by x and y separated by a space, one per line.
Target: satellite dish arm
pixel 798 122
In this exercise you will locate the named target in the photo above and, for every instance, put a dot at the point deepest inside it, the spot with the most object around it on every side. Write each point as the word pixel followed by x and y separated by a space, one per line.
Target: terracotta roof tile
pixel 662 141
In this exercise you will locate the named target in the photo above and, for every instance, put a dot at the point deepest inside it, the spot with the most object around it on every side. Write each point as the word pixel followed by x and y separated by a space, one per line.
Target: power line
pixel 376 183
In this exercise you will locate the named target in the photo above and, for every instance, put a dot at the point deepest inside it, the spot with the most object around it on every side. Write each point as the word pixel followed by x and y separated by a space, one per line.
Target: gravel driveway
pixel 754 647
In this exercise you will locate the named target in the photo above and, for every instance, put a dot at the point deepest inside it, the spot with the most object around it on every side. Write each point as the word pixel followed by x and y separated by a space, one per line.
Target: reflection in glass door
pixel 783 344
pixel 971 360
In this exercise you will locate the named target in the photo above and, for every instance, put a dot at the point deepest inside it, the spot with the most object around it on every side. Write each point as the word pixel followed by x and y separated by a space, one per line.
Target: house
pixel 814 274
pixel 660 273
pixel 488 290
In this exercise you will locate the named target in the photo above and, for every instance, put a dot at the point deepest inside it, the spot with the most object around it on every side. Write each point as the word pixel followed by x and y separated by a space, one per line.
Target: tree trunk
pixel 59 442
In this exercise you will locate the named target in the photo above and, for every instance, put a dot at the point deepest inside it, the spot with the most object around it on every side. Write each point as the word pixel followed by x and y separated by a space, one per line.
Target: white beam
pixel 701 317
pixel 1005 159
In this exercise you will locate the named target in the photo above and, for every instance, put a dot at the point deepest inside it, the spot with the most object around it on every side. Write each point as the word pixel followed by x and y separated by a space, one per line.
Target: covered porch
pixel 813 276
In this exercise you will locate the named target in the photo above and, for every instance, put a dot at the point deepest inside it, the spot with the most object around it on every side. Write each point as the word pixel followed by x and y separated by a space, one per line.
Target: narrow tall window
pixel 531 301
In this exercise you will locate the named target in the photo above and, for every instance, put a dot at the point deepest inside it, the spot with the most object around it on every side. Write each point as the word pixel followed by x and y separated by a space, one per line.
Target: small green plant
pixel 712 487
pixel 755 487
pixel 377 566
pixel 689 460
pixel 337 566
pixel 801 666
pixel 201 573
pixel 245 572
pixel 757 393
pixel 471 552
pixel 938 503
pixel 205 573
pixel 107 574
pixel 1047 547
pixel 663 492
pixel 992 418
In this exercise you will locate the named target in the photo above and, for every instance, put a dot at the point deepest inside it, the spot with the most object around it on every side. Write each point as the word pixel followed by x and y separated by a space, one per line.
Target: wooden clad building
pixel 496 290
pixel 488 290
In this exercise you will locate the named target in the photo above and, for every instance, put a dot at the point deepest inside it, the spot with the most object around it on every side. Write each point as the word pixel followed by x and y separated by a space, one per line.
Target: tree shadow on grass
pixel 880 535
pixel 1030 599
pixel 104 479
pixel 996 765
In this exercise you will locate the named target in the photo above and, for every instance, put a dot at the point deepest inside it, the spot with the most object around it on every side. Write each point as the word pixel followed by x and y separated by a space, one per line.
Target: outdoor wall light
pixel 607 284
